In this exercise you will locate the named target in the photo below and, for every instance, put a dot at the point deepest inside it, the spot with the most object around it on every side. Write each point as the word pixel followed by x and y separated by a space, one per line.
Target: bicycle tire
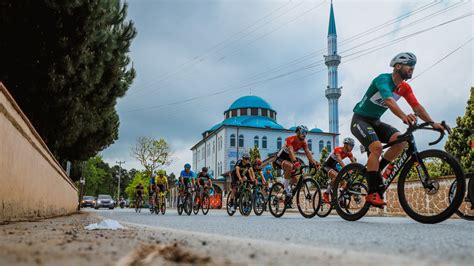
pixel 230 212
pixel 163 205
pixel 452 206
pixel 258 203
pixel 245 207
pixel 205 204
pixel 188 204
pixel 313 206
pixel 324 209
pixel 274 203
pixel 337 194
pixel 196 204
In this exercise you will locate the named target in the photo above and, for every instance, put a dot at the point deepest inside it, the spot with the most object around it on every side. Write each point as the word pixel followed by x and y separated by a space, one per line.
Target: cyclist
pixel 186 178
pixel 258 172
pixel 287 160
pixel 267 174
pixel 139 191
pixel 330 166
pixel 366 126
pixel 201 179
pixel 161 181
pixel 239 174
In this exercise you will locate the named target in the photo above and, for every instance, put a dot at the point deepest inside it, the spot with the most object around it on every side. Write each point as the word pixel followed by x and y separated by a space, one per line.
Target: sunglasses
pixel 410 63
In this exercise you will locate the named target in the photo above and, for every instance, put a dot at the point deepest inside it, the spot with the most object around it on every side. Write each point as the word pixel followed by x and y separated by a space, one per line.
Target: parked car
pixel 104 201
pixel 88 201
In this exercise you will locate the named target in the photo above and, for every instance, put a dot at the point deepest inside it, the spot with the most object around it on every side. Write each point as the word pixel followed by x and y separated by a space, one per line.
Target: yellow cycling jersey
pixel 161 180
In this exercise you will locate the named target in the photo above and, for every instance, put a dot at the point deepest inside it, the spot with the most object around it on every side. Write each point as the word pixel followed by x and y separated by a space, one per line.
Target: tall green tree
pixel 461 140
pixel 66 63
pixel 254 154
pixel 140 177
pixel 320 176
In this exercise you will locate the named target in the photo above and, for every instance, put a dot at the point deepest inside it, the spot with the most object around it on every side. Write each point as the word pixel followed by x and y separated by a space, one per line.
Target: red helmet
pixel 257 162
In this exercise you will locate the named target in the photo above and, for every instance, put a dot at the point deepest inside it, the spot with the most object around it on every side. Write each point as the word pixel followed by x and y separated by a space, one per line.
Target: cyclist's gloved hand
pixel 438 126
pixel 409 119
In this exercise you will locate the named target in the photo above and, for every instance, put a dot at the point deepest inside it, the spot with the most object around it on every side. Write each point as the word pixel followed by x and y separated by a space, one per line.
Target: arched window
pixel 279 143
pixel 310 145
pixel 329 146
pixel 255 141
pixel 241 141
pixel 232 140
pixel 232 165
pixel 264 142
pixel 321 146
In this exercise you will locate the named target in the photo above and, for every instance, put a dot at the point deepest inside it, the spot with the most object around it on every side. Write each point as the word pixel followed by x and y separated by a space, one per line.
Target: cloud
pixel 171 33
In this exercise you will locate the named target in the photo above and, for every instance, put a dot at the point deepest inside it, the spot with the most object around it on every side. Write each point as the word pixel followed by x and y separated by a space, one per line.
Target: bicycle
pixel 161 202
pixel 259 201
pixel 202 201
pixel 242 200
pixel 305 190
pixel 466 210
pixel 185 202
pixel 429 167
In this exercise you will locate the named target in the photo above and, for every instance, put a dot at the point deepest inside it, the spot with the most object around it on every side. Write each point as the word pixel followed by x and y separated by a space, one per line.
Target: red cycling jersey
pixel 341 152
pixel 294 142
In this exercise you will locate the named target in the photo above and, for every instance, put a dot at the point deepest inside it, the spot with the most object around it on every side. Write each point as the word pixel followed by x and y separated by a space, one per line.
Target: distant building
pixel 250 121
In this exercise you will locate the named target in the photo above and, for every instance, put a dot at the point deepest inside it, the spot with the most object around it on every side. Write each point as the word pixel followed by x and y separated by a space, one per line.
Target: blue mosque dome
pixel 250 102
pixel 316 130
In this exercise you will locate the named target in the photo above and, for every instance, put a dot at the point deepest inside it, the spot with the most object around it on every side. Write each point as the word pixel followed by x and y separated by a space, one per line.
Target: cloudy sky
pixel 194 58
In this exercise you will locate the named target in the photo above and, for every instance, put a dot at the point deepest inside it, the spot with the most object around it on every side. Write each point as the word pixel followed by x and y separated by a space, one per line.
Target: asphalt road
pixel 449 242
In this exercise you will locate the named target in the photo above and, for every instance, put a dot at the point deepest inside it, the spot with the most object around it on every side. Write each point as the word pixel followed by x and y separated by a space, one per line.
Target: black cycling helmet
pixel 204 169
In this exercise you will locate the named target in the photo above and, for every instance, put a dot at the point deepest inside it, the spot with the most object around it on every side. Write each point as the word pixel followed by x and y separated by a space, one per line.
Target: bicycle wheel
pixel 350 189
pixel 308 198
pixel 325 208
pixel 428 202
pixel 196 204
pixel 258 203
pixel 206 204
pixel 245 207
pixel 180 206
pixel 276 201
pixel 163 205
pixel 188 204
pixel 229 204
pixel 466 210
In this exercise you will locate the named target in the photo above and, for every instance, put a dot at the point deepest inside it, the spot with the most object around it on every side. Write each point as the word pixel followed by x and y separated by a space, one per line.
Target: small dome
pixel 292 128
pixel 250 102
pixel 316 130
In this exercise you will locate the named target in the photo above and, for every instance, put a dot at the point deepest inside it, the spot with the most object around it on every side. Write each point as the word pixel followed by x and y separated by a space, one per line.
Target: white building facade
pixel 250 121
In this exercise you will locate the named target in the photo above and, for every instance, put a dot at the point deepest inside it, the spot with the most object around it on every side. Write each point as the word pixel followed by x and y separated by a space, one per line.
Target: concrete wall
pixel 32 183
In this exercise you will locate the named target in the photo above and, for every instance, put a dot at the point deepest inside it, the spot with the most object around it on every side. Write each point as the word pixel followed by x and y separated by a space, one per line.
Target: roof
pixel 292 128
pixel 332 23
pixel 249 121
pixel 316 130
pixel 250 102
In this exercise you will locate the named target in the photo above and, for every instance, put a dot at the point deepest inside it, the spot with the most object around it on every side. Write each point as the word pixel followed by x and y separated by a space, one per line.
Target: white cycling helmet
pixel 349 141
pixel 406 58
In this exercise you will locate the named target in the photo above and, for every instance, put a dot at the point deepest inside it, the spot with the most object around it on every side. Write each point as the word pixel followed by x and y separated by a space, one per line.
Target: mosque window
pixel 264 142
pixel 241 141
pixel 321 146
pixel 232 140
pixel 255 141
pixel 279 143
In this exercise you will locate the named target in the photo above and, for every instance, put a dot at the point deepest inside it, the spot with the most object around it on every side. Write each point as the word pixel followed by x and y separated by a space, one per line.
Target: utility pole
pixel 119 175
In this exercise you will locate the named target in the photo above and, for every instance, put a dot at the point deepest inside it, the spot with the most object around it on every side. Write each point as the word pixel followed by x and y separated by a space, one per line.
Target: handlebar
pixel 426 126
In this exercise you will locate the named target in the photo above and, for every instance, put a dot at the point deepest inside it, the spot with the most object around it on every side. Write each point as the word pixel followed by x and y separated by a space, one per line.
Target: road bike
pixel 242 200
pixel 466 210
pixel 185 200
pixel 305 190
pixel 202 200
pixel 161 202
pixel 259 202
pixel 423 184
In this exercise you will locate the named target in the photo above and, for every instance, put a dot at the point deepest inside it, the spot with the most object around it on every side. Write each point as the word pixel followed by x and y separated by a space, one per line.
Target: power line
pixel 369 50
pixel 373 29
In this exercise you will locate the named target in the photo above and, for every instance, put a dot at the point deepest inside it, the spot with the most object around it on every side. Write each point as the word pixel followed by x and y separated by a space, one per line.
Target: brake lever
pixel 446 126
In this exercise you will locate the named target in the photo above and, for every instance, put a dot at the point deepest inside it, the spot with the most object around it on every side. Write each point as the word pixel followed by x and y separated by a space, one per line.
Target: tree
pixel 66 63
pixel 460 141
pixel 254 154
pixel 140 177
pixel 151 153
pixel 320 176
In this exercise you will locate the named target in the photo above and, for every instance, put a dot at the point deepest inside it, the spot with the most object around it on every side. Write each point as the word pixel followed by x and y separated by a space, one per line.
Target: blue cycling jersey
pixel 267 176
pixel 185 174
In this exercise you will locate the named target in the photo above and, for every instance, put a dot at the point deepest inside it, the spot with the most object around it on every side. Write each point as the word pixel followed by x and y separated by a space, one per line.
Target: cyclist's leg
pixel 365 132
pixel 287 167
pixel 387 133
